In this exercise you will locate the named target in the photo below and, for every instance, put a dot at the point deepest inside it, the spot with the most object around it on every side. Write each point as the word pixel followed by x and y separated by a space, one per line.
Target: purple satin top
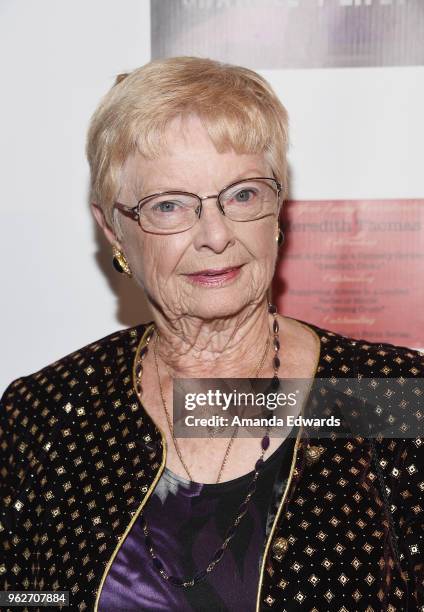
pixel 187 523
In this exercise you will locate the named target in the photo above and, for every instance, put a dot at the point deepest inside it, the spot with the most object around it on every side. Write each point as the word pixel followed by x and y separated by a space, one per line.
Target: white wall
pixel 58 57
pixel 355 133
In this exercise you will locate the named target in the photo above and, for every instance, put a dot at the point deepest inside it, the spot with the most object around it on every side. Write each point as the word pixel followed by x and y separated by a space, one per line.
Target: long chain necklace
pixel 169 420
pixel 242 509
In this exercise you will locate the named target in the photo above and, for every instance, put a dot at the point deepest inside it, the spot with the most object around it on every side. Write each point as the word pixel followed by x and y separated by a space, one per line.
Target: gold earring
pixel 280 237
pixel 120 263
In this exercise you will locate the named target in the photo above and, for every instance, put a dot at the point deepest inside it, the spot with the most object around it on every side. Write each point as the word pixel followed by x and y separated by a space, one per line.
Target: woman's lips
pixel 214 277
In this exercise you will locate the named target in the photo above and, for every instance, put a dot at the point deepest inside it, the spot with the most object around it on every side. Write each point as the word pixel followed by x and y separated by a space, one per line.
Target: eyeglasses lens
pixel 174 212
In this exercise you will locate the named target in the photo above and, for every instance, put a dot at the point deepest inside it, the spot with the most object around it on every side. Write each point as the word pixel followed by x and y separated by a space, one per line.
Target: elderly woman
pixel 100 497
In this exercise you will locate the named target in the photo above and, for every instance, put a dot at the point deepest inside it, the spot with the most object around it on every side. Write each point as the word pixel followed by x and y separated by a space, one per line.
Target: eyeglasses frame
pixel 134 211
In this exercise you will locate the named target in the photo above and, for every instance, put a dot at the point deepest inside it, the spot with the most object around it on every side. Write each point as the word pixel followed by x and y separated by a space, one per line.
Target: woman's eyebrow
pixel 245 174
pixel 249 173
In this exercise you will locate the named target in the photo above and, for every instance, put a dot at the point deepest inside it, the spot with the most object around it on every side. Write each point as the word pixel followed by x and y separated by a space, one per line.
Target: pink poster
pixel 355 267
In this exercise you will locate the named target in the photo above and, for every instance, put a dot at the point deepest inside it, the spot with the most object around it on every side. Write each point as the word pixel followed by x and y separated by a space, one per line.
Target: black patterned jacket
pixel 80 457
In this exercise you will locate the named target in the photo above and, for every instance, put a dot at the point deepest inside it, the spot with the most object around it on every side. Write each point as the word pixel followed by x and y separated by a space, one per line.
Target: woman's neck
pixel 225 347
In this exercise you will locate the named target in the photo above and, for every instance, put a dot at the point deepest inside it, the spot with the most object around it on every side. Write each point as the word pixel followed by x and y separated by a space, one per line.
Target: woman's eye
pixel 165 206
pixel 245 195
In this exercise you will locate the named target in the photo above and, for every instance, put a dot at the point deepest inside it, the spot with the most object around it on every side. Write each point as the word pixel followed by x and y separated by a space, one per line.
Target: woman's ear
pixel 101 220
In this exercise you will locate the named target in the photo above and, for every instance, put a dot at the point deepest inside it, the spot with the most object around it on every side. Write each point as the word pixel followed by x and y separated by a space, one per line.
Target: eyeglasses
pixel 170 212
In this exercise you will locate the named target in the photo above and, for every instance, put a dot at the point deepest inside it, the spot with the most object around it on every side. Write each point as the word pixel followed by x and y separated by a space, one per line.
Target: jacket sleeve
pixel 9 407
pixel 397 398
pixel 408 512
pixel 16 550
pixel 406 482
pixel 8 481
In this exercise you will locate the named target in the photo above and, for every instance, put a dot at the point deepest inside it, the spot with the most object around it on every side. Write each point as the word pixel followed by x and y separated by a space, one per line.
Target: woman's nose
pixel 213 228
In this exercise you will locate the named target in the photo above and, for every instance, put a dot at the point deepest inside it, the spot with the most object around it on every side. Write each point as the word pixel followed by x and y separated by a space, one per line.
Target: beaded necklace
pixel 230 533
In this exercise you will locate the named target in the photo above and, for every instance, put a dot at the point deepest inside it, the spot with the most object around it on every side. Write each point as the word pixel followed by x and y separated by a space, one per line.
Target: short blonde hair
pixel 237 107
